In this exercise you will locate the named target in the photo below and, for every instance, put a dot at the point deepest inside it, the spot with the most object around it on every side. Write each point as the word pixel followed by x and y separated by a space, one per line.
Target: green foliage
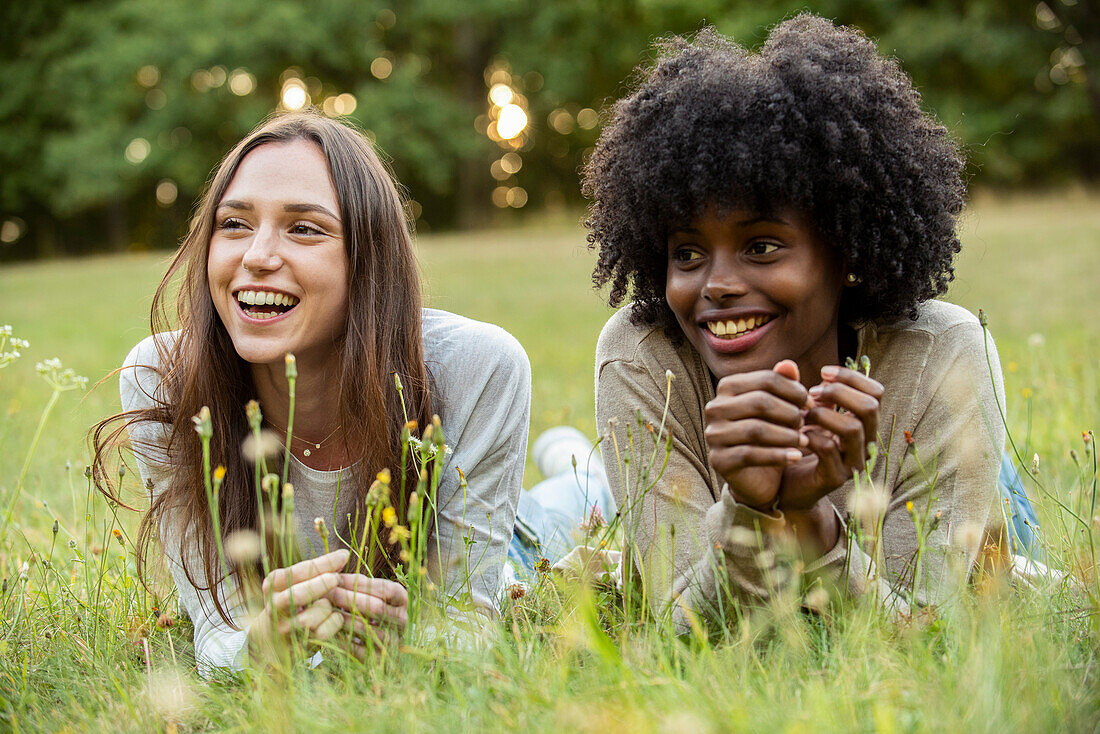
pixel 1009 79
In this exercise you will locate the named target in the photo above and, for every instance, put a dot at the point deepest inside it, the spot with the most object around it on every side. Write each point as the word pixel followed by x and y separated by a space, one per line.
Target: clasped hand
pixel 778 444
pixel 315 600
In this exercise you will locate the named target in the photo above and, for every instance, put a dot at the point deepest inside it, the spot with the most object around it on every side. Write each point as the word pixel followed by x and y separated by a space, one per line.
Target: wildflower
pixel 909 507
pixel 411 426
pixel 1035 464
pixel 389 516
pixel 270 483
pixel 288 492
pixel 166 620
pixel 404 556
pixel 254 415
pixel 203 424
pixel 118 536
pixel 1036 340
pixel 1026 393
pixel 319 527
pixel 669 377
pixel 593 522
pixel 242 547
pixel 909 437
pixel 414 507
pixel 87 472
pixel 219 473
pixel 982 319
pixel 1086 436
pixel 384 476
pixel 517 591
pixel 55 527
pixel 427 434
pixel 266 446
pixel 399 534
pixel 462 476
pixel 291 366
pixel 869 505
pixel 543 566
pixel 865 365
pixel 378 494
pixel 1013 367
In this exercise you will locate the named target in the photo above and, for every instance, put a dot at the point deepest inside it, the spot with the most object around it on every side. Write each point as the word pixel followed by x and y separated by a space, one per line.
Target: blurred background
pixel 113 112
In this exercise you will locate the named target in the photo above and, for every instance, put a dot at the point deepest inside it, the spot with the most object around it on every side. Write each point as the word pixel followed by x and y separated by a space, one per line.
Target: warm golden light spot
pixel 386 18
pixel 241 83
pixel 511 163
pixel 148 76
pixel 217 76
pixel 561 121
pixel 511 122
pixel 516 197
pixel 501 94
pixel 294 96
pixel 167 192
pixel 10 231
pixel 500 76
pixel 381 68
pixel 200 80
pixel 588 118
pixel 496 170
pixel 138 150
pixel 500 197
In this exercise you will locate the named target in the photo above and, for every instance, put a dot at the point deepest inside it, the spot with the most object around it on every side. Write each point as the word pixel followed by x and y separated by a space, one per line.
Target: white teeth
pixel 266 298
pixel 732 328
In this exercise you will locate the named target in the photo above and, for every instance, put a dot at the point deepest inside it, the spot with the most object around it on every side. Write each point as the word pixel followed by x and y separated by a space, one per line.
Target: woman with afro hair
pixel 773 217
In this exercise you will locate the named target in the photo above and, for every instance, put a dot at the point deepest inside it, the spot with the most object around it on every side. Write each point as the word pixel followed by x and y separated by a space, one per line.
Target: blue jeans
pixel 1021 522
pixel 550 514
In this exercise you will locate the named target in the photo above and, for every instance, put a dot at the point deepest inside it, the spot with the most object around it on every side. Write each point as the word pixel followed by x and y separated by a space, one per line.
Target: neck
pixel 316 408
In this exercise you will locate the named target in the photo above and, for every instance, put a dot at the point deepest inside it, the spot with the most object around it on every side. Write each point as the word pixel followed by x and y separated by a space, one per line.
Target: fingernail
pixel 803 440
pixel 830 371
pixel 793 455
pixel 816 390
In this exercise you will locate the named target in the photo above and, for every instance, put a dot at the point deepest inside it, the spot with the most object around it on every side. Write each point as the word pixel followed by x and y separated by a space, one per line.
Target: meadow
pixel 80 650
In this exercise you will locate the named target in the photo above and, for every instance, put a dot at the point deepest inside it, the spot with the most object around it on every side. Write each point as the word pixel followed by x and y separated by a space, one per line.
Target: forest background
pixel 112 112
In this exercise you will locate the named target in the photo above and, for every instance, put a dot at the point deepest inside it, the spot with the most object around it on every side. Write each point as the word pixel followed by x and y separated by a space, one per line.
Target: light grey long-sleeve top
pixel 481 382
pixel 940 437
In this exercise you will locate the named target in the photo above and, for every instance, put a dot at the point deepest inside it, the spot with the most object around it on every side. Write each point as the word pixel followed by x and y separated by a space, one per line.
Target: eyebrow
pixel 294 208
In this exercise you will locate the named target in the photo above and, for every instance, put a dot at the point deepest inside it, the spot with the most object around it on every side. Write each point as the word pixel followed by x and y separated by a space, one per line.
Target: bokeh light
pixel 501 95
pixel 511 163
pixel 500 197
pixel 381 68
pixel 516 197
pixel 241 82
pixel 138 150
pixel 148 76
pixel 511 122
pixel 12 229
pixel 167 192
pixel 155 99
pixel 561 121
pixel 588 118
pixel 294 96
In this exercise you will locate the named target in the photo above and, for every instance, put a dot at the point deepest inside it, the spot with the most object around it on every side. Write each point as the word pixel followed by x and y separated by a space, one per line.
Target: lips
pixel 261 304
pixel 733 334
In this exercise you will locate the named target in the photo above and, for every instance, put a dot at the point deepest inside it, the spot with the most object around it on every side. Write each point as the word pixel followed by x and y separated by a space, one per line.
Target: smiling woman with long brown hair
pixel 300 245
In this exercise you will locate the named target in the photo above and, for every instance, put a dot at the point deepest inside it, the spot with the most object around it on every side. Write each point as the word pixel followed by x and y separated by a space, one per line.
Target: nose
pixel 725 282
pixel 262 254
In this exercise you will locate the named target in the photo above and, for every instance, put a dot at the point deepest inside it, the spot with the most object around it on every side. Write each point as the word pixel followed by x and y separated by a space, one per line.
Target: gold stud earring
pixel 853 279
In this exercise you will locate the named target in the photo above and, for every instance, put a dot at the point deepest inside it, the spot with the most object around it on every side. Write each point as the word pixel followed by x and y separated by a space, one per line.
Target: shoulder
pixel 941 332
pixel 141 371
pixel 458 349
pixel 622 340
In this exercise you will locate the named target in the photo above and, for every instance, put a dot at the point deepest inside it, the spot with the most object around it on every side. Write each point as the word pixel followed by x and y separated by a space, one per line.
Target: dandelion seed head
pixel 264 448
pixel 869 505
pixel 242 547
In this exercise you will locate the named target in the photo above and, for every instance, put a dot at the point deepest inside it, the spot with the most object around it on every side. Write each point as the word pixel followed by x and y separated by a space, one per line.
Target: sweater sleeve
pixel 217 645
pixel 486 392
pixel 694 550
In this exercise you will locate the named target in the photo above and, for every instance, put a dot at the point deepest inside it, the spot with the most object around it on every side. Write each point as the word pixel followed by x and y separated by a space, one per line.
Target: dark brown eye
pixel 762 248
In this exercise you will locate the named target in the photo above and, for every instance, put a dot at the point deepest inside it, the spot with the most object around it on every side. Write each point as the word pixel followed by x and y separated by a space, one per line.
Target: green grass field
pixel 996 661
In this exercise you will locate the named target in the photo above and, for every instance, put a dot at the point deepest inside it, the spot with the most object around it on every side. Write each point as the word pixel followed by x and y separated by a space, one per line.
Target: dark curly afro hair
pixel 816 121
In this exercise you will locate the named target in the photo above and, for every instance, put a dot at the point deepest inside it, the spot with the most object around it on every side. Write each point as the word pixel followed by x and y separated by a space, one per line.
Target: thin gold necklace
pixel 315 444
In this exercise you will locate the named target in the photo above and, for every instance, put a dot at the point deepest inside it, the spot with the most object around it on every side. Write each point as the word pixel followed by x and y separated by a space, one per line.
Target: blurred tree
pixel 114 111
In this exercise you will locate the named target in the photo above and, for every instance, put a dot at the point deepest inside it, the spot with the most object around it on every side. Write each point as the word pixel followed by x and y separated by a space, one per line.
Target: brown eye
pixel 684 255
pixel 762 248
pixel 305 230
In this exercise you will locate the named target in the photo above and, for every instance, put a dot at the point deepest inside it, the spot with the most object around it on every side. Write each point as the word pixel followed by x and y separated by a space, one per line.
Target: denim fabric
pixel 1020 519
pixel 550 514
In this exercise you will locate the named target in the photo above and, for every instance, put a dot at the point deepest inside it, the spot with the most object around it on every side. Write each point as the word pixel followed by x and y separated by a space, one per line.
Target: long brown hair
pixel 200 367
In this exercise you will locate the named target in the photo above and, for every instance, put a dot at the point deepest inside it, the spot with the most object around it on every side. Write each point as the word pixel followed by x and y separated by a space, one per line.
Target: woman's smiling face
pixel 749 291
pixel 277 264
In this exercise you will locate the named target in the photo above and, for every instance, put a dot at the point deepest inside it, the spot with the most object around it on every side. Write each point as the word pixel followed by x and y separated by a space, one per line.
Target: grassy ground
pixel 1022 662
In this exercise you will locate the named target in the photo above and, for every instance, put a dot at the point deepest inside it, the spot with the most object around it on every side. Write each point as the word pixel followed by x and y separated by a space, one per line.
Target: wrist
pixel 817 528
